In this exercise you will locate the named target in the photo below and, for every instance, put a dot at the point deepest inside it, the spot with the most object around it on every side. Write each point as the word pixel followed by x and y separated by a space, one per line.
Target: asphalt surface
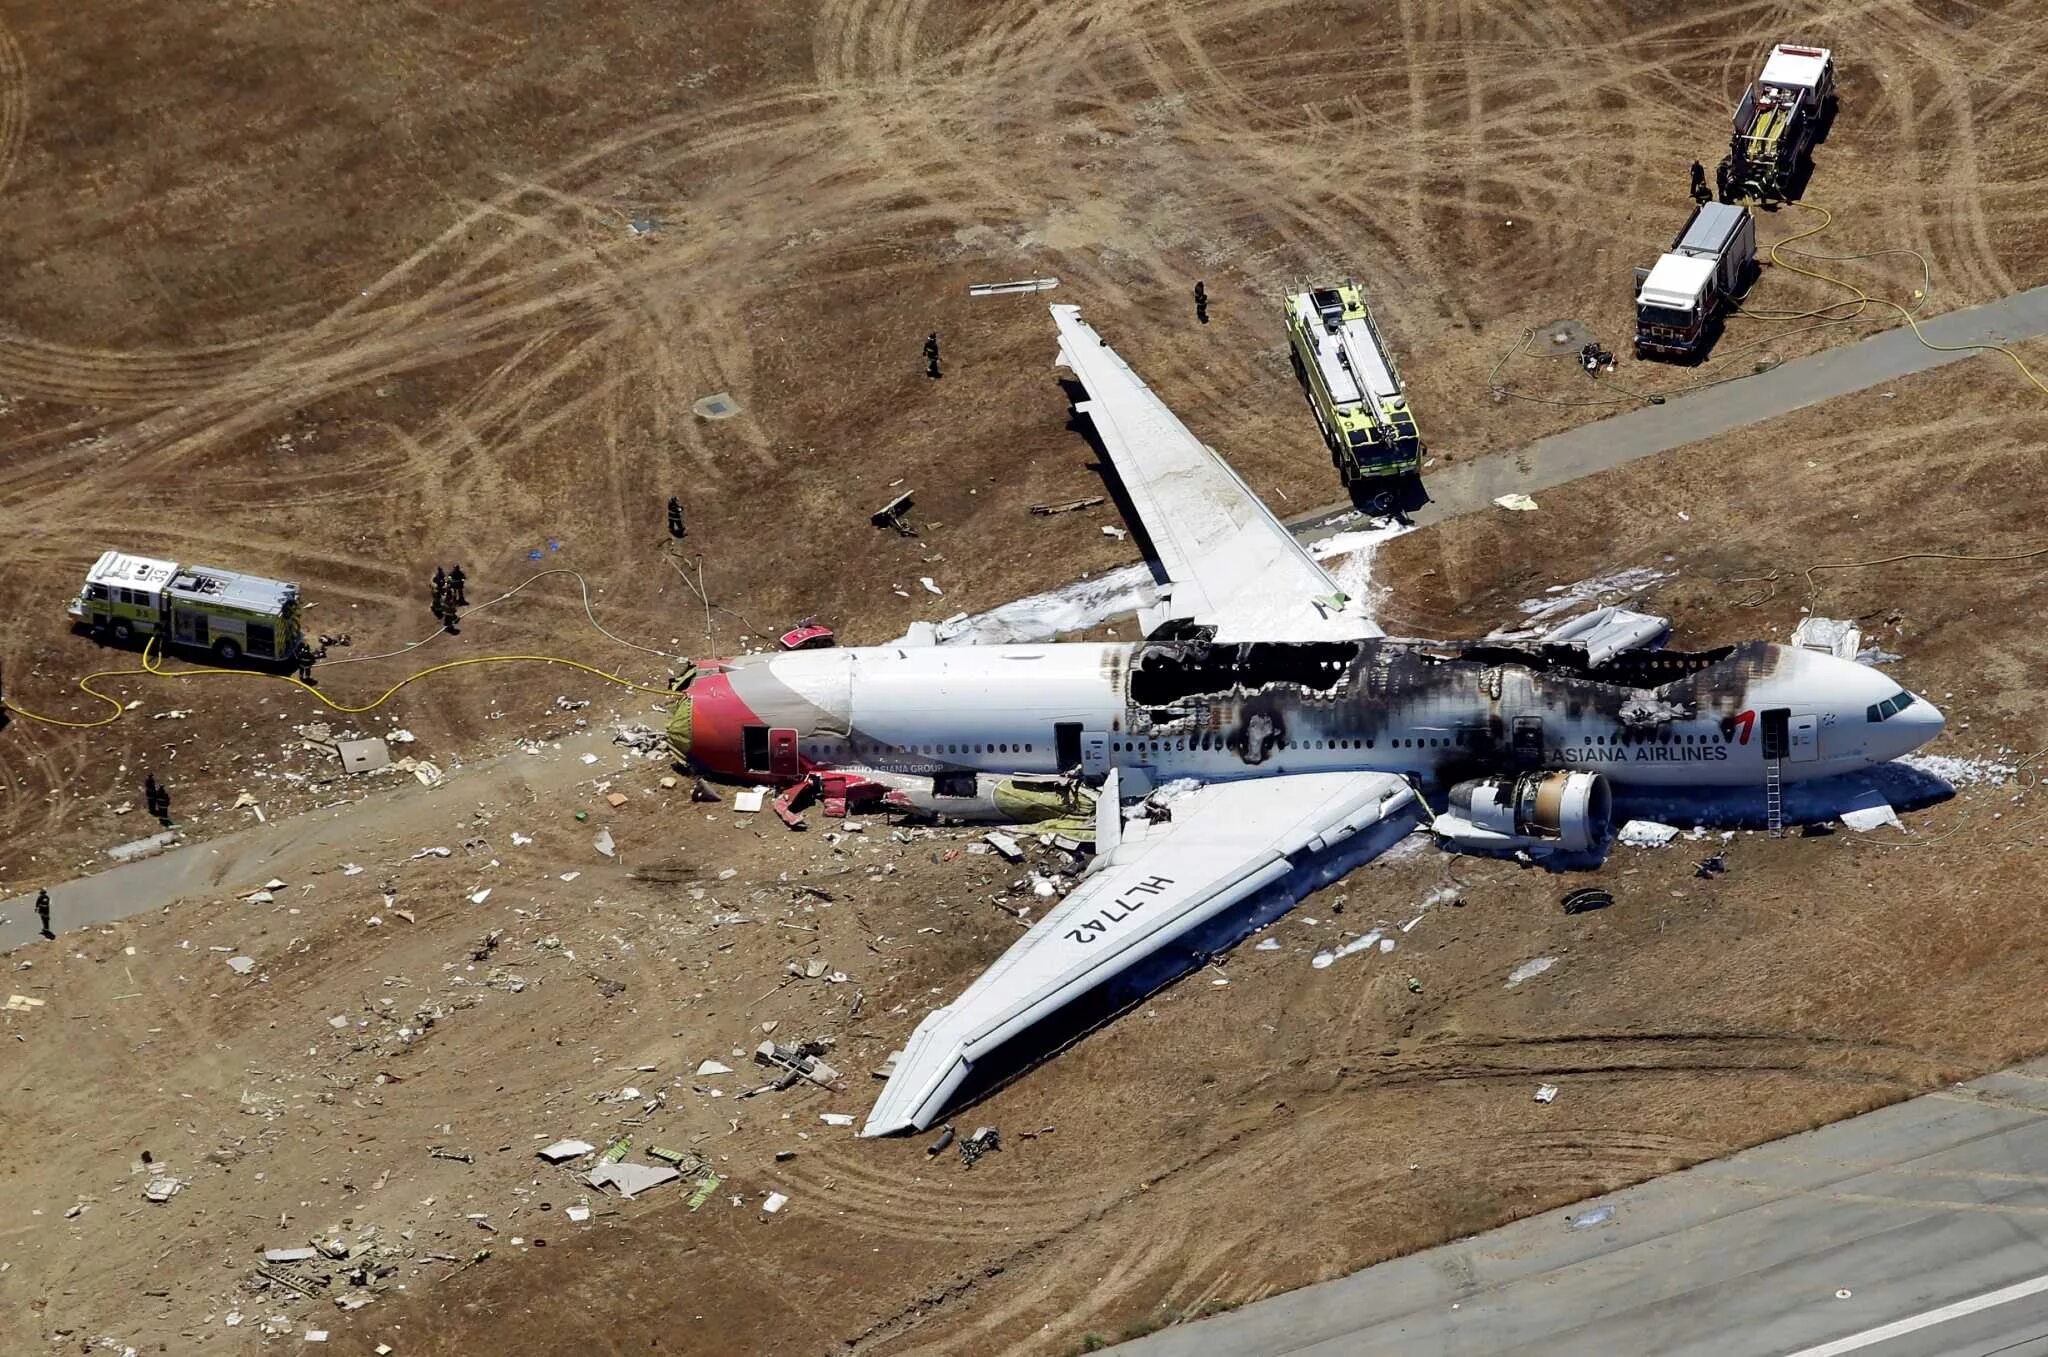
pixel 1645 432
pixel 1931 1215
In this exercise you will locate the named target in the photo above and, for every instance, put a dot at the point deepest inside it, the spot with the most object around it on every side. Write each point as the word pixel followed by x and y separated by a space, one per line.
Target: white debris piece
pixel 241 965
pixel 1518 502
pixel 1546 1093
pixel 564 1149
pixel 289 1255
pixel 478 897
pixel 1960 772
pixel 1109 530
pixel 776 1201
pixel 1874 813
pixel 363 756
pixel 836 1118
pixel 431 853
pixel 1529 970
pixel 711 1067
pixel 589 758
pixel 578 1214
pixel 749 801
pixel 1267 945
pixel 603 843
pixel 1829 636
pixel 1322 960
pixel 1606 632
pixel 1004 844
pixel 1647 834
pixel 631 1179
pixel 163 1187
pixel 930 586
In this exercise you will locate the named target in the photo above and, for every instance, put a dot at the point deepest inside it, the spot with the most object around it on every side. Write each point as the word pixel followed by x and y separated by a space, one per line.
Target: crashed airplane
pixel 1288 739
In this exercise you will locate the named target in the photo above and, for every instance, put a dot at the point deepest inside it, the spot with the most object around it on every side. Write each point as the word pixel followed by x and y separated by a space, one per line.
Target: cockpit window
pixel 1890 707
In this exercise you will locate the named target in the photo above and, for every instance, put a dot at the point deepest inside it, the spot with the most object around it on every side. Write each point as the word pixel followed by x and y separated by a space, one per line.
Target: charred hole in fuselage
pixel 1629 669
pixel 1164 673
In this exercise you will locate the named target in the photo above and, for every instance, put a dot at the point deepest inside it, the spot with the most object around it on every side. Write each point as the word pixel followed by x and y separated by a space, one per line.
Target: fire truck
pixel 196 607
pixel 1352 384
pixel 1780 118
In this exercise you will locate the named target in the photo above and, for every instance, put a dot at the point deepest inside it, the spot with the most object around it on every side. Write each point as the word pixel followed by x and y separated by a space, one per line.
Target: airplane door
pixel 1094 753
pixel 1804 738
pixel 782 759
pixel 1527 746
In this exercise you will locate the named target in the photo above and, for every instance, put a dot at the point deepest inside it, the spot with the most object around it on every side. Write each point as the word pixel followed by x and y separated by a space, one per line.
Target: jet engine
pixel 1538 813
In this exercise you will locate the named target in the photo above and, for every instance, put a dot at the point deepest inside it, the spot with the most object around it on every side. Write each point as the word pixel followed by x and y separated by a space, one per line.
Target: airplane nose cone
pixel 1917 725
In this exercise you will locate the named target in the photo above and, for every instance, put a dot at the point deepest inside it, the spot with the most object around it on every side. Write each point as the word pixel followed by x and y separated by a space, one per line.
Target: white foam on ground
pixel 1058 612
pixel 1353 573
pixel 1529 970
pixel 1961 772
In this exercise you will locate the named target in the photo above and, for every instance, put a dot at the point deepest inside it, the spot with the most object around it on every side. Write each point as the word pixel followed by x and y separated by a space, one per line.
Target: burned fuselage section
pixel 1441 710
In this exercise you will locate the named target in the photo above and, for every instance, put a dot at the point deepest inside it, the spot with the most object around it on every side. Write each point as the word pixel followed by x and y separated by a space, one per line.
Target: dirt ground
pixel 337 293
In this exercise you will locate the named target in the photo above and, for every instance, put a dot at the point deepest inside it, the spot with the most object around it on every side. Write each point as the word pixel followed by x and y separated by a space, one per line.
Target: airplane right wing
pixel 1157 886
pixel 1229 563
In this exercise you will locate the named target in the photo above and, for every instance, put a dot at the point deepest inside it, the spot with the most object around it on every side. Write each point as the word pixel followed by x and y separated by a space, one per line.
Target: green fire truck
pixel 1352 385
pixel 196 607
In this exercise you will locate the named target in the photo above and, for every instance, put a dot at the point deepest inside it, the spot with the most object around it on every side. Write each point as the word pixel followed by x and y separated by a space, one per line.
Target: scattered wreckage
pixel 1281 737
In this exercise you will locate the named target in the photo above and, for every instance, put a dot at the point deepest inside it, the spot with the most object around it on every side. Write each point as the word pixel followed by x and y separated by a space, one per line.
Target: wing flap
pixel 1225 844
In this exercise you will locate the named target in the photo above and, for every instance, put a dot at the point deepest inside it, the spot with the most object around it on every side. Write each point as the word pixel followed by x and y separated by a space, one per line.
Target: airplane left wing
pixel 1149 910
pixel 1229 563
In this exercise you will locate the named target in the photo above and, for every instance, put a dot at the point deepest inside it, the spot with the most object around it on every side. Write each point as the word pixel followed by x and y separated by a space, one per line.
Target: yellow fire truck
pixel 198 607
pixel 1352 385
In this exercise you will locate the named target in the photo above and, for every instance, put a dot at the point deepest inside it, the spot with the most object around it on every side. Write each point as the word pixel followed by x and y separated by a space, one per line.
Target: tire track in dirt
pixel 13 103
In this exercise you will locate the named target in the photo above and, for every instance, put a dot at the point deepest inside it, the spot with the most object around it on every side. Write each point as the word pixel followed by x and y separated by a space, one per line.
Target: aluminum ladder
pixel 1774 797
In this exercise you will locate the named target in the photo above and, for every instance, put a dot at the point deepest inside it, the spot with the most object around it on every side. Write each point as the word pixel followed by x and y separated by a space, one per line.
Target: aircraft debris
pixel 289 1255
pixel 603 843
pixel 930 585
pixel 1069 506
pixel 1586 899
pixel 22 1003
pixel 137 849
pixel 629 1180
pixel 775 1202
pixel 1876 815
pixel 363 756
pixel 1020 285
pixel 836 1118
pixel 895 514
pixel 1546 1093
pixel 712 1067
pixel 938 1147
pixel 1587 1220
pixel 701 793
pixel 1646 834
pixel 241 965
pixel 985 1140
pixel 1829 636
pixel 1517 502
pixel 565 1149
pixel 1529 970
pixel 749 801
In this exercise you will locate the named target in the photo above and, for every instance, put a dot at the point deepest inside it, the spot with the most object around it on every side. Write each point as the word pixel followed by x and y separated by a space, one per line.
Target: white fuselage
pixel 1435 711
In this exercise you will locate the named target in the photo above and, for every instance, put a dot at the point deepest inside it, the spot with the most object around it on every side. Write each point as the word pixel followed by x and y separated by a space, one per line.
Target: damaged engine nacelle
pixel 1535 812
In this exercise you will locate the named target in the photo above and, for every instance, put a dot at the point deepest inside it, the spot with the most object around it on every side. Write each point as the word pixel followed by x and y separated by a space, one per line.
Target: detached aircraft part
pixel 1168 895
pixel 1534 812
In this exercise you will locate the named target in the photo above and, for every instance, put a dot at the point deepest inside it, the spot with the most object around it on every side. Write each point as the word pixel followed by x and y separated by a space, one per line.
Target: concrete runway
pixel 1884 357
pixel 1919 1230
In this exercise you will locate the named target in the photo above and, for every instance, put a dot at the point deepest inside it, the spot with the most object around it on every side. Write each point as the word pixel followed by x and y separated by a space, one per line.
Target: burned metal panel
pixel 1462 698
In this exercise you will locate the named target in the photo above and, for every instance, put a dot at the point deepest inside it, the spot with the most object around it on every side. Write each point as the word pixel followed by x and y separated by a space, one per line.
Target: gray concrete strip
pixel 243 860
pixel 1910 1209
pixel 1548 462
